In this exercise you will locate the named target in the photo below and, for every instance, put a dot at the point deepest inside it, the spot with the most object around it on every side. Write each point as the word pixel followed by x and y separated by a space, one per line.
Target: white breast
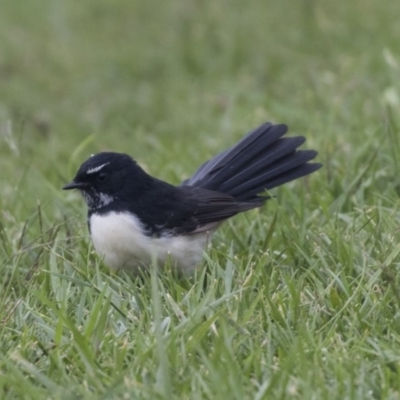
pixel 119 238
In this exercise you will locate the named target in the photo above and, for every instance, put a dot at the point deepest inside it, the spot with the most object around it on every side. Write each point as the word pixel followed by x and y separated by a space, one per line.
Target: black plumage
pixel 222 187
pixel 261 161
pixel 136 220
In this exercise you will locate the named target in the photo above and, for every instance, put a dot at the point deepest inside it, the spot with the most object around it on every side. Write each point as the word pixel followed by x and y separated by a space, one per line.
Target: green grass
pixel 297 300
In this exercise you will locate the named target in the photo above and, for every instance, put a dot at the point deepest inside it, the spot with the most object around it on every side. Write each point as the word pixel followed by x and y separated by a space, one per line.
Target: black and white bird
pixel 135 219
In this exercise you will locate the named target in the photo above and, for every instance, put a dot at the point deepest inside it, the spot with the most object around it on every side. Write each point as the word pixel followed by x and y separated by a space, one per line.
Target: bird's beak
pixel 73 185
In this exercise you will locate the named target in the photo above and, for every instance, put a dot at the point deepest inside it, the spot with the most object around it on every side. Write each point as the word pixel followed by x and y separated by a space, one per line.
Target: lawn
pixel 297 300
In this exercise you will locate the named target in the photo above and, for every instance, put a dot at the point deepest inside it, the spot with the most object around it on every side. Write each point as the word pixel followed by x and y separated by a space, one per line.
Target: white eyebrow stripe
pixel 96 169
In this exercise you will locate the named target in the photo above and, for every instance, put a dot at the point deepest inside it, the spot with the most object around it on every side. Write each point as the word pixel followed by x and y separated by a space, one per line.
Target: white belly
pixel 119 238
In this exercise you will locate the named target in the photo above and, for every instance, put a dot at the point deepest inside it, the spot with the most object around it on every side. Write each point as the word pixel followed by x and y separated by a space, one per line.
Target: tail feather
pixel 260 161
pixel 265 161
pixel 288 169
pixel 222 164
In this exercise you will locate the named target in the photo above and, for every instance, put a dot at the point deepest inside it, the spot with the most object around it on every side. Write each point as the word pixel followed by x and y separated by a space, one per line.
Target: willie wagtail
pixel 134 218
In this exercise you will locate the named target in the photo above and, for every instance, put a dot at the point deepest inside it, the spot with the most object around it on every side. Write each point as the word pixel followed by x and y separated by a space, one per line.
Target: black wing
pixel 170 210
pixel 205 209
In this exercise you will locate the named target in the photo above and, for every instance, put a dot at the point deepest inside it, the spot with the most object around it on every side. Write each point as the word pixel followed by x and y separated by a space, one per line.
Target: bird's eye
pixel 101 177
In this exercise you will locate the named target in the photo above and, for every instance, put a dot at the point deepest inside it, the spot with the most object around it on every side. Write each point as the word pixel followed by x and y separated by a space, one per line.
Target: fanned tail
pixel 260 161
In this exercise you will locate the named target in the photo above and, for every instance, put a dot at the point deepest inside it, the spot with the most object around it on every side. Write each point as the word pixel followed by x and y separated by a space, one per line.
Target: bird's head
pixel 105 177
